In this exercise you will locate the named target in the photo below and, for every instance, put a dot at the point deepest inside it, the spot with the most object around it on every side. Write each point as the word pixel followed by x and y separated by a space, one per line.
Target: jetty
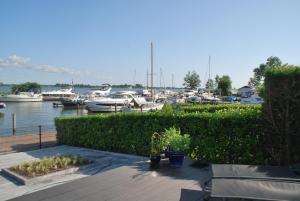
pixel 26 142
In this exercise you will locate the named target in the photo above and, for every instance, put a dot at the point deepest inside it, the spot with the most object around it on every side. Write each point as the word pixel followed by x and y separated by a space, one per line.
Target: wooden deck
pixel 16 143
pixel 131 182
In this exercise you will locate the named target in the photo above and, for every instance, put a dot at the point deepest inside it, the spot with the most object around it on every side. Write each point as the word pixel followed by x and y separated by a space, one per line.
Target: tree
pixel 27 87
pixel 209 84
pixel 224 85
pixel 259 72
pixel 192 80
pixel 217 79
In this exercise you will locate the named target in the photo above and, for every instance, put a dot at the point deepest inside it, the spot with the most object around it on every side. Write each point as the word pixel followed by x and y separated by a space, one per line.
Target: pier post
pixel 77 109
pixel 115 107
pixel 40 135
pixel 14 125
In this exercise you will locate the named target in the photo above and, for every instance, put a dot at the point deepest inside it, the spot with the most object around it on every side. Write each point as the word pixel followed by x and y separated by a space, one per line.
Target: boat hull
pixel 56 98
pixel 94 107
pixel 11 99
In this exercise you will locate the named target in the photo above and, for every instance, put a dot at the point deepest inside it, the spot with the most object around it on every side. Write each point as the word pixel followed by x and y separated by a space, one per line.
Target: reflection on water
pixel 31 114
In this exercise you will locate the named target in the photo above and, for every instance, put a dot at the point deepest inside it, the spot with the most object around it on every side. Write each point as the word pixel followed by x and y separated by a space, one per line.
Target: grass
pixel 48 165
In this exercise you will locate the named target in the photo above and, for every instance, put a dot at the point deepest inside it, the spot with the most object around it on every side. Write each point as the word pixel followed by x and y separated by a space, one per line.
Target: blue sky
pixel 98 41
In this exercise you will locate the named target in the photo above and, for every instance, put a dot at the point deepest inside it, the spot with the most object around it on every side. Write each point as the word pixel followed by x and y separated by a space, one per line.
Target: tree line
pixel 220 85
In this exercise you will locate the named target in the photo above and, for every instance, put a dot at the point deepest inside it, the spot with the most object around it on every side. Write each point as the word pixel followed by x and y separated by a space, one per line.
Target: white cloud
pixel 15 61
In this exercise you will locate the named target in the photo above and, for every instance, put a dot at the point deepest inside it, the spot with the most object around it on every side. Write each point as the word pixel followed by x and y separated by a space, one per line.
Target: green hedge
pixel 213 108
pixel 220 137
pixel 282 113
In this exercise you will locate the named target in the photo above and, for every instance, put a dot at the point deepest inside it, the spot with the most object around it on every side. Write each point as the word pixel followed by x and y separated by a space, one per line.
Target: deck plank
pixel 130 182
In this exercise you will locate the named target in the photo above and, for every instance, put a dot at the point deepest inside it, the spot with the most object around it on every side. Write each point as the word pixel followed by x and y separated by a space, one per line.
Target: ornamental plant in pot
pixel 156 148
pixel 175 145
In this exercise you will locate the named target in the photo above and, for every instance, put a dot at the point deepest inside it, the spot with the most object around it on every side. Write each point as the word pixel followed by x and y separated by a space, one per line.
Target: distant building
pixel 234 92
pixel 246 91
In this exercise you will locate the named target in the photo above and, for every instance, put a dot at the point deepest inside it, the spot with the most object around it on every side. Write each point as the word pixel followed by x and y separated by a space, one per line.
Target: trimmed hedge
pixel 232 136
pixel 282 113
pixel 214 108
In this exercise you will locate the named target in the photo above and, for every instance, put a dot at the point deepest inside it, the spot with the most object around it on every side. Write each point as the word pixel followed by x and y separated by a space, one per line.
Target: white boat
pixel 122 101
pixel 189 92
pixel 101 91
pixel 22 97
pixel 113 102
pixel 141 104
pixel 2 105
pixel 57 95
pixel 254 99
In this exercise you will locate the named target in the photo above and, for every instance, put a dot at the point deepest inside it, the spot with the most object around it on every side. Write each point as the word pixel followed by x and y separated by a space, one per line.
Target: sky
pixel 100 41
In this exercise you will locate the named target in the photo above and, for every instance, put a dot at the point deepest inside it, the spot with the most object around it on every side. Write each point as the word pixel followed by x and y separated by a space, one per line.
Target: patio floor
pixel 131 179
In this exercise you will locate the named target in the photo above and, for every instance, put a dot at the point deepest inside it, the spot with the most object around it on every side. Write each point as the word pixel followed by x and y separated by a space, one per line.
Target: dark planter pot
pixel 176 159
pixel 155 160
pixel 168 152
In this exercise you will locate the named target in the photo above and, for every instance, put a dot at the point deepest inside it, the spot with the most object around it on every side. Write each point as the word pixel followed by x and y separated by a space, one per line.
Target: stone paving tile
pixel 103 161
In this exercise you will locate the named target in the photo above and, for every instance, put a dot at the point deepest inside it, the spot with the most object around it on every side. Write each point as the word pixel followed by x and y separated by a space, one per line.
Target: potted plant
pixel 176 145
pixel 155 149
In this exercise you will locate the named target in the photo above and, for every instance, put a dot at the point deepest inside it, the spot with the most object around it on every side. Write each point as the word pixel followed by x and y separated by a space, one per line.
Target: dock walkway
pixel 26 142
pixel 125 177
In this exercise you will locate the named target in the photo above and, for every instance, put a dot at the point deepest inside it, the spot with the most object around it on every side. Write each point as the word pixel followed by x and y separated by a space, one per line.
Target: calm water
pixel 31 114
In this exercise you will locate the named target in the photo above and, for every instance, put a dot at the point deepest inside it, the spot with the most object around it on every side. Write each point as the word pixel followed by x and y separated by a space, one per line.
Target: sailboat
pixel 208 97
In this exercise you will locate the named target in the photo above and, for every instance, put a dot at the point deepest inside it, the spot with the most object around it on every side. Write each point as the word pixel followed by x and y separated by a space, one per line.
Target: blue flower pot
pixel 155 160
pixel 168 152
pixel 176 159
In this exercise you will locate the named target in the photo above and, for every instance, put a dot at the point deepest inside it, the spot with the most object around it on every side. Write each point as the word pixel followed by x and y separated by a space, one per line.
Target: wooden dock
pixel 26 142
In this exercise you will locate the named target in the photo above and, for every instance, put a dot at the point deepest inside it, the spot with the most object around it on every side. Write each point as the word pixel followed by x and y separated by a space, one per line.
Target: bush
pixel 226 136
pixel 214 108
pixel 48 164
pixel 167 108
pixel 282 114
pixel 173 139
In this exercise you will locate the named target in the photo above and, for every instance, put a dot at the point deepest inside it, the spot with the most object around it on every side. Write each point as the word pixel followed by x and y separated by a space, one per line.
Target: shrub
pixel 156 144
pixel 226 136
pixel 167 108
pixel 48 164
pixel 282 114
pixel 173 139
pixel 213 108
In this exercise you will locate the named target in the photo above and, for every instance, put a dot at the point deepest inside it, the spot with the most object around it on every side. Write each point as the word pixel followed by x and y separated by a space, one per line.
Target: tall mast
pixel 147 78
pixel 152 91
pixel 172 81
pixel 209 76
pixel 134 76
pixel 160 75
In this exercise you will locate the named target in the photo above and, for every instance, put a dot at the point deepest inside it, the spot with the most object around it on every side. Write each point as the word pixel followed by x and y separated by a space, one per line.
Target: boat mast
pixel 152 91
pixel 160 75
pixel 209 76
pixel 172 81
pixel 147 78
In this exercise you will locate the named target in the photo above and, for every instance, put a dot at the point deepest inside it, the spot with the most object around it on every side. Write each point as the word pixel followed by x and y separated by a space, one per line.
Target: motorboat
pixel 141 104
pixel 73 102
pixel 189 92
pixel 208 98
pixel 114 102
pixel 254 99
pixel 22 97
pixel 101 91
pixel 194 99
pixel 58 94
pixel 2 105
pixel 122 101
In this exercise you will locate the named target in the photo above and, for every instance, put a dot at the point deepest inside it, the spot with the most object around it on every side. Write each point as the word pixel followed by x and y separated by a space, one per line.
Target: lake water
pixel 31 114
